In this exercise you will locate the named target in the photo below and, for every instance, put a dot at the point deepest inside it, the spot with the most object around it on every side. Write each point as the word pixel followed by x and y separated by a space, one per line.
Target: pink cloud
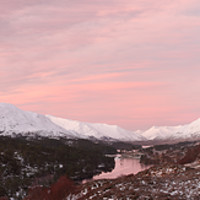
pixel 133 63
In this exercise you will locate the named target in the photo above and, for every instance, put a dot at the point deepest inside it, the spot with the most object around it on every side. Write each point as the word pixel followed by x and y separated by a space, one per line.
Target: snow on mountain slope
pixel 182 132
pixel 96 130
pixel 14 120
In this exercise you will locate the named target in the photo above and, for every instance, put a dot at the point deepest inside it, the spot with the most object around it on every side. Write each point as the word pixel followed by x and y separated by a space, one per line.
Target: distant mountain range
pixel 15 121
pixel 187 132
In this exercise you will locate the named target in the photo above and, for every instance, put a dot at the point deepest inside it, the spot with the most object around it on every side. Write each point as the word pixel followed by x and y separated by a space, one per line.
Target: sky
pixel 130 63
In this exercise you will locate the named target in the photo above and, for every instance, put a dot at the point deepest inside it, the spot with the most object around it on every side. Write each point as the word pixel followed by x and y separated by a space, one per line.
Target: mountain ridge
pixel 188 131
pixel 97 130
pixel 16 121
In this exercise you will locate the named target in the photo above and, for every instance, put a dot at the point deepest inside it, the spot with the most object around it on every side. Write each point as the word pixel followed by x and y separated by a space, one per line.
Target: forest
pixel 26 162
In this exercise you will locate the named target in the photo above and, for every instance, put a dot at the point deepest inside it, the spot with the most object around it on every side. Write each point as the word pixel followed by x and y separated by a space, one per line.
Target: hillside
pixel 15 121
pixel 96 130
pixel 26 162
pixel 185 132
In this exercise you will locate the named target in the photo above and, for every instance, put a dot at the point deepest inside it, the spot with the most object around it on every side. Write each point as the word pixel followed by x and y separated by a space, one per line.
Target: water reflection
pixel 123 166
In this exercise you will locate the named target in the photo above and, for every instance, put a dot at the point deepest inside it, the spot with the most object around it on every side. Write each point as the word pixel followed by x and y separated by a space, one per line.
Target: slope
pixel 16 121
pixel 189 131
pixel 97 130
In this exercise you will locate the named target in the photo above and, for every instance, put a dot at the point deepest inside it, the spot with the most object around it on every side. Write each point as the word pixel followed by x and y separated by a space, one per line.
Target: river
pixel 123 166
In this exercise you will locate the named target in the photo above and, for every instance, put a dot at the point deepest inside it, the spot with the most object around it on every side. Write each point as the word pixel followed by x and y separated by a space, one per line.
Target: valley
pixel 174 175
pixel 42 168
pixel 46 158
pixel 29 162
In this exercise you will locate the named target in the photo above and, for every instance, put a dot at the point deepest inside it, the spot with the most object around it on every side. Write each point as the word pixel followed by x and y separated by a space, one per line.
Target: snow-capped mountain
pixel 16 121
pixel 96 130
pixel 189 131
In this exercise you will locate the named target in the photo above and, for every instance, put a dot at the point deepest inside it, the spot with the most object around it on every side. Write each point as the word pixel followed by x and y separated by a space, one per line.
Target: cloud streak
pixel 132 63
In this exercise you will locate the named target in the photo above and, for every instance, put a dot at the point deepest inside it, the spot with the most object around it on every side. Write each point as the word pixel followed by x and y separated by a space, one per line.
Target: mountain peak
pixel 7 106
pixel 189 131
pixel 96 130
pixel 14 120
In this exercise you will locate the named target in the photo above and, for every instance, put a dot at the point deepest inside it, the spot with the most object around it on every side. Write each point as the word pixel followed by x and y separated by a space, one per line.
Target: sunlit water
pixel 123 166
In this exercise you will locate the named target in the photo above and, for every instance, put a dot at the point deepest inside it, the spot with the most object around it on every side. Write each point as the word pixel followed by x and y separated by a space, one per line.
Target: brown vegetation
pixel 57 191
pixel 3 198
pixel 191 155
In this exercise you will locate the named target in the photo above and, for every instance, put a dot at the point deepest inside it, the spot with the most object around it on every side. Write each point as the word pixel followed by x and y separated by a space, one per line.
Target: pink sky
pixel 130 63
